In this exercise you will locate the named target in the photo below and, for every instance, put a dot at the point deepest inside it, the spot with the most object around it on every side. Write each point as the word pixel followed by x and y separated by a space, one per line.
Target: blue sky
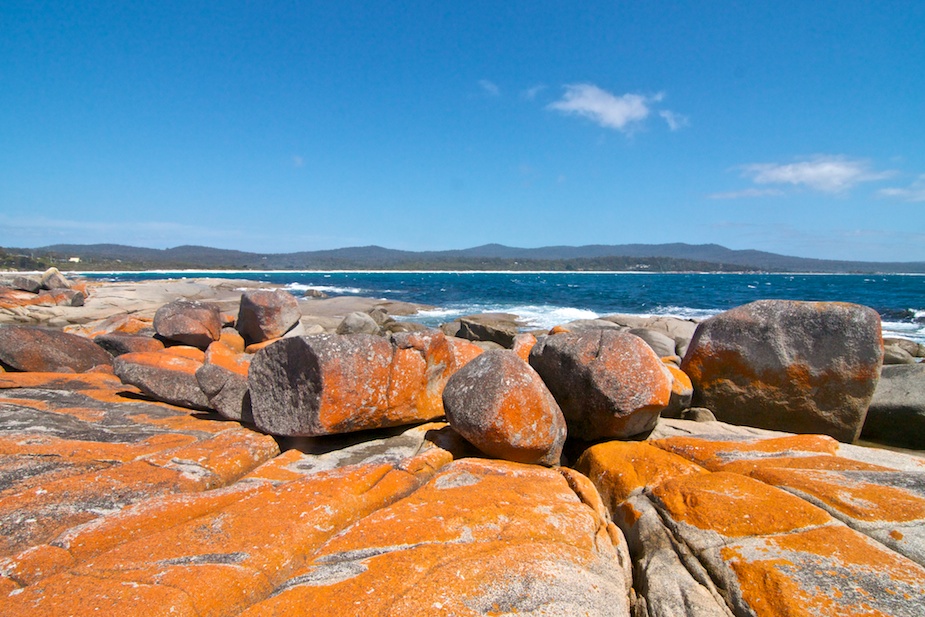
pixel 793 127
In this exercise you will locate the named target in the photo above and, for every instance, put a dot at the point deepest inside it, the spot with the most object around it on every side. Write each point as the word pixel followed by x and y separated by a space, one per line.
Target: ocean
pixel 544 299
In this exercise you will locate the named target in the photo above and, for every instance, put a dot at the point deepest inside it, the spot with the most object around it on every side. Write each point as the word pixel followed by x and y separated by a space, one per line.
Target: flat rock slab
pixel 26 348
pixel 732 522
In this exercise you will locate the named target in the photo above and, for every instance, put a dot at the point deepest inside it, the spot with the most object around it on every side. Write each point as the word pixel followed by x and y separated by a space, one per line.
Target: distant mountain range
pixel 677 257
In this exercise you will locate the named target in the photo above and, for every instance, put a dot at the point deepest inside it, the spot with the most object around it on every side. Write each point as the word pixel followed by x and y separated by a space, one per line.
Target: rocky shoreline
pixel 217 447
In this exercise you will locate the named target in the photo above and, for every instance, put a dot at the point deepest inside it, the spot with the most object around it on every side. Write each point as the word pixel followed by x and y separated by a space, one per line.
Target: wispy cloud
pixel 915 192
pixel 530 93
pixel 675 121
pixel 624 112
pixel 746 194
pixel 490 88
pixel 824 173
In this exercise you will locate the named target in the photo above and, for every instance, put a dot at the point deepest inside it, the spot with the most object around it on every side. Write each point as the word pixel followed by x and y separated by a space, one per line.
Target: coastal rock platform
pixel 115 502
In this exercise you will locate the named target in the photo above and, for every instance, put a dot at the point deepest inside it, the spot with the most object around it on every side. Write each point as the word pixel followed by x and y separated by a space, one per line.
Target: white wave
pixel 334 289
pixel 549 316
pixel 904 329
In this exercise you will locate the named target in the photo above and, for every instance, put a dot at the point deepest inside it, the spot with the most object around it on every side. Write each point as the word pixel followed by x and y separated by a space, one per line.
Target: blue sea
pixel 544 299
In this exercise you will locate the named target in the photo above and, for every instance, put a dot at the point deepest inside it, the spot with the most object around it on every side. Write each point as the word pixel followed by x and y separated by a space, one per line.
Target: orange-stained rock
pixel 168 375
pixel 25 348
pixel 255 347
pixel 223 379
pixel 803 367
pixel 266 314
pixel 501 406
pixel 327 384
pixel 608 383
pixel 618 468
pixel 523 344
pixel 189 322
pixel 232 339
pixel 481 538
pixel 681 392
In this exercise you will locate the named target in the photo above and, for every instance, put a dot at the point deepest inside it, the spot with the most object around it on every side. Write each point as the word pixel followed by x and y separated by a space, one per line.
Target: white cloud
pixel 623 113
pixel 675 121
pixel 490 88
pixel 747 193
pixel 602 107
pixel 915 192
pixel 825 173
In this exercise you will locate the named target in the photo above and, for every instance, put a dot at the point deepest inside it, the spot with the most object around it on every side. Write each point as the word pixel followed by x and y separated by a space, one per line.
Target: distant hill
pixel 677 257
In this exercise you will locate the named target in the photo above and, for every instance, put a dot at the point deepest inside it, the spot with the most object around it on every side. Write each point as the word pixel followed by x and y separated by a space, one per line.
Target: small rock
pixel 897 410
pixel 681 393
pixel 267 314
pixel 523 344
pixel 894 354
pixel 500 405
pixel 358 323
pixel 53 279
pixel 189 322
pixel 500 328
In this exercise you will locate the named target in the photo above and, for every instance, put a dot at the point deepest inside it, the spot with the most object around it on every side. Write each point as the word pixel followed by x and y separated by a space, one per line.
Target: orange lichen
pixel 851 495
pixel 831 558
pixel 736 506
pixel 715 454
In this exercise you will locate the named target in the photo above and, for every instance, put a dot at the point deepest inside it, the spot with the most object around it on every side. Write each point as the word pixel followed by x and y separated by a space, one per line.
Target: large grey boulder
pixel 608 383
pixel 267 314
pixel 662 344
pixel 803 367
pixel 189 322
pixel 897 411
pixel 501 406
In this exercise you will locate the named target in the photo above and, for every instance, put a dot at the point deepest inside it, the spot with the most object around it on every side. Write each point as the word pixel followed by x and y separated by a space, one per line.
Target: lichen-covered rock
pixel 320 385
pixel 501 406
pixel 608 383
pixel 896 415
pixel 266 314
pixel 804 367
pixel 189 322
pixel 480 538
pixel 523 345
pixel 223 379
pixel 26 283
pixel 682 391
pixel 165 375
pixel 26 348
